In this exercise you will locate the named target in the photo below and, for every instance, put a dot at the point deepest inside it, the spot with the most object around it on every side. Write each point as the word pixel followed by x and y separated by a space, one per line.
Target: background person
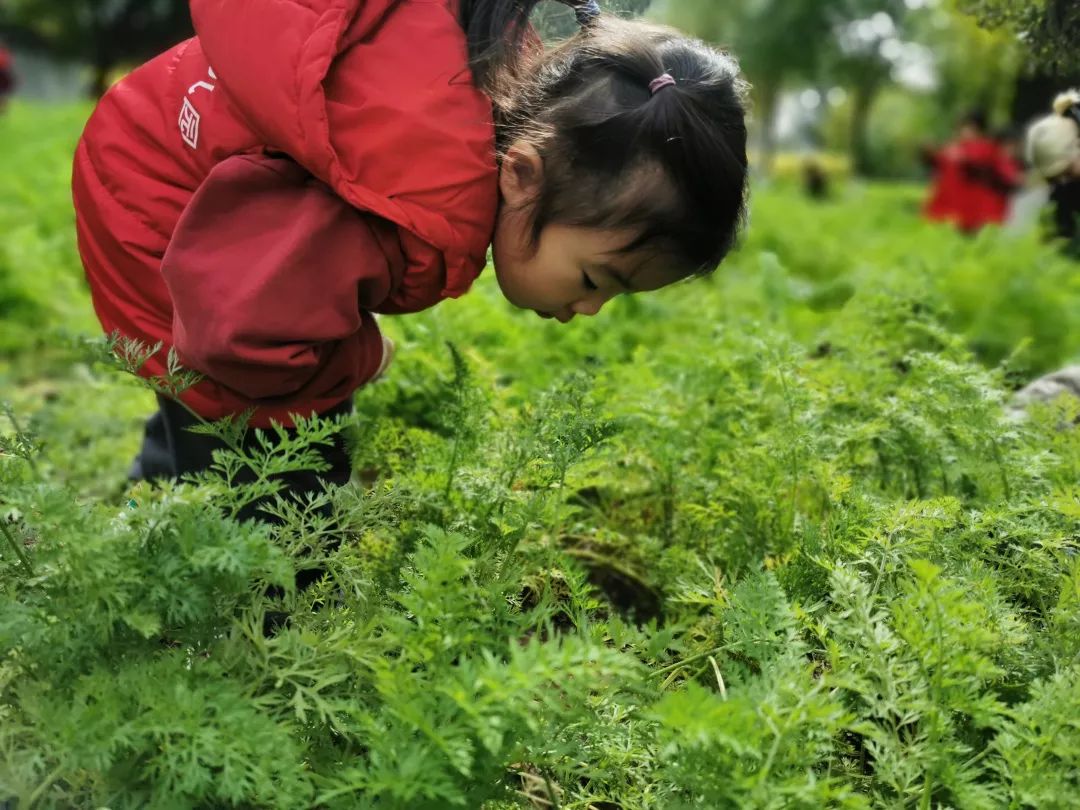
pixel 1053 149
pixel 974 178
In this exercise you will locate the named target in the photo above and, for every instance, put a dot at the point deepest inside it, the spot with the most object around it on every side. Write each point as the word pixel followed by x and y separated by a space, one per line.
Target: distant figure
pixel 1053 148
pixel 974 177
pixel 815 180
pixel 7 77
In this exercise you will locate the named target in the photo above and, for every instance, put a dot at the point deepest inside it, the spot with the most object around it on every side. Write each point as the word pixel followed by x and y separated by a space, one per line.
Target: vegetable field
pixel 768 539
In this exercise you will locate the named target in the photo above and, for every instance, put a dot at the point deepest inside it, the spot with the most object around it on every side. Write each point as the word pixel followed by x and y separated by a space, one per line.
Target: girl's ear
pixel 521 176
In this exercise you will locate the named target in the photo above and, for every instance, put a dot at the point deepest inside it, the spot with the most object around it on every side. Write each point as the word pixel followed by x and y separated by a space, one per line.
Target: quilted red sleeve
pixel 272 279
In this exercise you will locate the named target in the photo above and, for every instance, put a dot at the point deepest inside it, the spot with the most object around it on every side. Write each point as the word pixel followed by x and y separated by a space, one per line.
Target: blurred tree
pixel 867 43
pixel 976 67
pixel 962 67
pixel 774 41
pixel 102 33
pixel 901 121
pixel 943 64
pixel 1049 29
pixel 864 47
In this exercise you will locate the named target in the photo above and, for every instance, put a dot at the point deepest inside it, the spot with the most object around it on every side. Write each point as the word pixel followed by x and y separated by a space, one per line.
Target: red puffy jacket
pixel 7 78
pixel 253 194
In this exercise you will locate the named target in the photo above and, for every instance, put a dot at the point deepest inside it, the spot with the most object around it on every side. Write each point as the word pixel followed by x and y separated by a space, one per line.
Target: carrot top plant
pixel 770 539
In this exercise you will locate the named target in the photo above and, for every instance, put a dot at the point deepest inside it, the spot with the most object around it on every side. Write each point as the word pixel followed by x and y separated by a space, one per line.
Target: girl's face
pixel 572 270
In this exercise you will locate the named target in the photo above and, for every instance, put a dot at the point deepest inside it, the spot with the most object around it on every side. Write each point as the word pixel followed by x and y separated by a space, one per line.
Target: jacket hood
pixel 375 98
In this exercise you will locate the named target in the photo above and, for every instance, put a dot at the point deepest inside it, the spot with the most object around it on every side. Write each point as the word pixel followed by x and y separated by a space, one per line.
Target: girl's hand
pixel 387 358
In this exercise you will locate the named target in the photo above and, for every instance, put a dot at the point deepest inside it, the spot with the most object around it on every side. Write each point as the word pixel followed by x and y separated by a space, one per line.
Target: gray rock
pixel 1047 389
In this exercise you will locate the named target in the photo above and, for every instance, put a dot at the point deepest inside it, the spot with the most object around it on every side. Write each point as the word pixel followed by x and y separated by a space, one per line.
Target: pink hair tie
pixel 660 82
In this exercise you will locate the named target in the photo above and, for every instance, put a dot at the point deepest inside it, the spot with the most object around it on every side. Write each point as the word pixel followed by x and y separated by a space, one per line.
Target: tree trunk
pixel 99 81
pixel 770 99
pixel 102 36
pixel 861 104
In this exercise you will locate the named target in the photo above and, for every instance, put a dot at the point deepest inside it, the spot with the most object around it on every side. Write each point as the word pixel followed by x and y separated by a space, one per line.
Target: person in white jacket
pixel 1053 142
pixel 1053 150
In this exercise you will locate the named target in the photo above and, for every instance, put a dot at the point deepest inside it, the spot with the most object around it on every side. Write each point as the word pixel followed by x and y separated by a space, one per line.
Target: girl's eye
pixel 589 284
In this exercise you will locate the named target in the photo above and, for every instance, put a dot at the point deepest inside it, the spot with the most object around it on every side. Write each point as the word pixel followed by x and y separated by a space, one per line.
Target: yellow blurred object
pixel 118 73
pixel 790 166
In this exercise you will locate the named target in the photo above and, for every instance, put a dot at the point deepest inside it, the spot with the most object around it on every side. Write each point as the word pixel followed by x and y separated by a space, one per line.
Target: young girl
pixel 253 195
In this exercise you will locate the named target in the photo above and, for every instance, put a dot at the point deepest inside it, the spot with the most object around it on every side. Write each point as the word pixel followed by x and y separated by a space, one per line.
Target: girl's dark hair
pixel 495 30
pixel 670 166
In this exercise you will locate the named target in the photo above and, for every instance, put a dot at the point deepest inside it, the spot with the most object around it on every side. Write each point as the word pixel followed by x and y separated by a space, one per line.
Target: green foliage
pixel 867 48
pixel 1049 29
pixel 766 539
pixel 37 251
pixel 773 39
pixel 977 67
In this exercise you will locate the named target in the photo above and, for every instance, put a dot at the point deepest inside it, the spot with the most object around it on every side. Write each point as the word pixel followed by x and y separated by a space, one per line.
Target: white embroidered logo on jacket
pixel 189 116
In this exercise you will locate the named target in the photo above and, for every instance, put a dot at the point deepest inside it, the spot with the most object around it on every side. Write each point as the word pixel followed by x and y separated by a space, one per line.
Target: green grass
pixel 766 539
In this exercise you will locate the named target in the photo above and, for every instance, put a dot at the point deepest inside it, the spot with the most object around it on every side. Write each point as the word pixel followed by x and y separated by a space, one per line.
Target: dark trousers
pixel 169 451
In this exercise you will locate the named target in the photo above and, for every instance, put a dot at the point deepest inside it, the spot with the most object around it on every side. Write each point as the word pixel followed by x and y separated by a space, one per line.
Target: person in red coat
pixel 974 177
pixel 7 77
pixel 255 195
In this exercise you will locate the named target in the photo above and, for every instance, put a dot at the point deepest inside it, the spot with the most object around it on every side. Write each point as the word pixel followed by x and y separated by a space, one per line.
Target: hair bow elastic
pixel 586 10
